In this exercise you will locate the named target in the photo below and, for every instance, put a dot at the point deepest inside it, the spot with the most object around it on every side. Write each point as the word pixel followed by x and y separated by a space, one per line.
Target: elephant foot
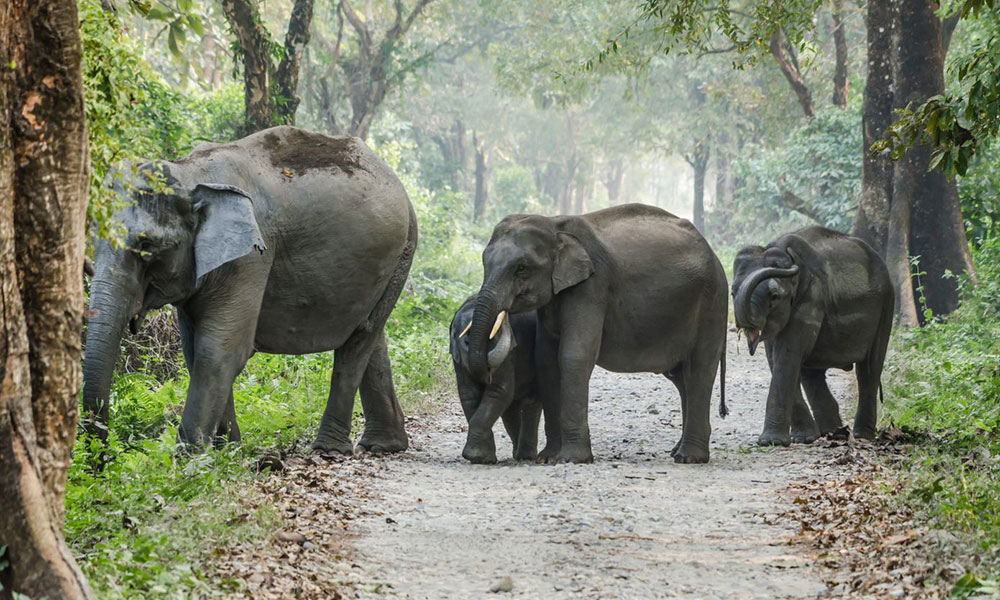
pixel 769 438
pixel 687 455
pixel 804 436
pixel 865 433
pixel 547 454
pixel 332 449
pixel 383 443
pixel 479 454
pixel 677 446
pixel 841 434
pixel 575 454
pixel 530 455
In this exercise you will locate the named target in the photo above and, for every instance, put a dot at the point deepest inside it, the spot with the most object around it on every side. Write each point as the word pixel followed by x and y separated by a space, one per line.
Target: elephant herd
pixel 293 242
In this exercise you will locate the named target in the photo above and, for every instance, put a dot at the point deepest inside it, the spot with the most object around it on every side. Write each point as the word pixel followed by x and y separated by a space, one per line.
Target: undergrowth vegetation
pixel 944 391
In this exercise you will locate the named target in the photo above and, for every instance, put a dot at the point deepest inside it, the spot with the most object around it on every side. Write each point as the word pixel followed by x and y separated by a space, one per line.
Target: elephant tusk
pixel 466 330
pixel 498 324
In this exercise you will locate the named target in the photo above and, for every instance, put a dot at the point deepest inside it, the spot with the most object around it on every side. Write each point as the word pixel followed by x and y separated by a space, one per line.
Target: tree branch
pixel 790 69
pixel 796 203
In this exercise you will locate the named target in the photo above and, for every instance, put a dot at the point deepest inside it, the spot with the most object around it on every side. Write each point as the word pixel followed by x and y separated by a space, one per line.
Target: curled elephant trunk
pixel 741 305
pixel 115 298
pixel 504 342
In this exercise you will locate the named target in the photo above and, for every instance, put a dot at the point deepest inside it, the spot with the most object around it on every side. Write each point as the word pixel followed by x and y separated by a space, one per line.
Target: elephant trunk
pixel 484 316
pixel 115 297
pixel 741 304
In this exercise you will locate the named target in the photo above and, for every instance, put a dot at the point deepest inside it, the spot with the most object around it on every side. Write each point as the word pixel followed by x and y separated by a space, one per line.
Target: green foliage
pixel 979 192
pixel 819 162
pixel 944 389
pixel 957 123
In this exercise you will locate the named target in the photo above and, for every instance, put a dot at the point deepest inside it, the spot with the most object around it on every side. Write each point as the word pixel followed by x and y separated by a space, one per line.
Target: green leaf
pixel 196 25
pixel 159 13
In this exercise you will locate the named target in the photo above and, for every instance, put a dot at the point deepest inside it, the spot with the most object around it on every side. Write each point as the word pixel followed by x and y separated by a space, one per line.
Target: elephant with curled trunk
pixel 284 242
pixel 509 390
pixel 632 289
pixel 818 299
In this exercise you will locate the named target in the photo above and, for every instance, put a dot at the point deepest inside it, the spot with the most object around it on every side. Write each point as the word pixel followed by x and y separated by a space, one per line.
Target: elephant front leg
pixel 825 409
pixel 781 397
pixel 547 372
pixel 384 422
pixel 229 429
pixel 480 446
pixel 804 429
pixel 578 348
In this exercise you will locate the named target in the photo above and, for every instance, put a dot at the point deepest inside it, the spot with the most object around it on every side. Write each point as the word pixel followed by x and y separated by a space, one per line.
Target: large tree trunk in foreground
pixel 43 191
pixel 937 234
pixel 905 210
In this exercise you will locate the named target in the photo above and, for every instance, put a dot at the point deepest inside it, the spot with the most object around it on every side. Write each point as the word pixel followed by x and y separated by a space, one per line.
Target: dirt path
pixel 631 525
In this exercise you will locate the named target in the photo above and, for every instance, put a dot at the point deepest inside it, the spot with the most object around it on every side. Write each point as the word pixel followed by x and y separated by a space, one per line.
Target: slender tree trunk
pixel 840 83
pixel 482 189
pixel 790 68
pixel 699 164
pixel 723 182
pixel 937 231
pixel 43 196
pixel 614 181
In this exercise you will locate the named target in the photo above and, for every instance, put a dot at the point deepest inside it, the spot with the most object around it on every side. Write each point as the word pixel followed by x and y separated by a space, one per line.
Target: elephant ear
pixel 227 227
pixel 572 263
pixel 803 254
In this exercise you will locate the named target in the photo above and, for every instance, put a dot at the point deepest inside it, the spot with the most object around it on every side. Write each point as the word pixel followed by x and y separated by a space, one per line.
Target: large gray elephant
pixel 632 289
pixel 285 242
pixel 818 299
pixel 509 391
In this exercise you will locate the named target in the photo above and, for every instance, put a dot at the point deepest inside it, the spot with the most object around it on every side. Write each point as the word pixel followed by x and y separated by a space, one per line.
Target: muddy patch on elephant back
pixel 301 151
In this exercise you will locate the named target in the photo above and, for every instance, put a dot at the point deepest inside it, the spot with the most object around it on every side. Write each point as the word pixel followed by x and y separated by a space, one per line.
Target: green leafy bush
pixel 944 389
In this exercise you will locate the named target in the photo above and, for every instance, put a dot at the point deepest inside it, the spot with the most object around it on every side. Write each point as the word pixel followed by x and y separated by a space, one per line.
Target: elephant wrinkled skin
pixel 631 288
pixel 285 242
pixel 818 299
pixel 509 391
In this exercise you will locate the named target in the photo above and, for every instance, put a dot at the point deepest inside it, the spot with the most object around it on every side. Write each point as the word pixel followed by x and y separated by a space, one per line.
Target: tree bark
pixel 937 234
pixel 699 163
pixel 43 192
pixel 872 221
pixel 788 64
pixel 614 180
pixel 286 77
pixel 840 83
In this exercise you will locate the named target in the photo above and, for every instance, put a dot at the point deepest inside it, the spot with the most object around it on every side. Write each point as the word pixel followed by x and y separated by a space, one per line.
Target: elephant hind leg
pixel 803 429
pixel 384 422
pixel 229 429
pixel 824 407
pixel 695 386
pixel 866 419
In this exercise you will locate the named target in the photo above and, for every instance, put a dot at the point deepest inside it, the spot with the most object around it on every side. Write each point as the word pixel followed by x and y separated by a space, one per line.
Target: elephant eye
pixel 522 270
pixel 144 246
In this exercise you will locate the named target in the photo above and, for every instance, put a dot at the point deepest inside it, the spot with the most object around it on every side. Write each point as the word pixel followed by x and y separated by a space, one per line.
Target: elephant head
pixel 172 237
pixel 767 282
pixel 528 261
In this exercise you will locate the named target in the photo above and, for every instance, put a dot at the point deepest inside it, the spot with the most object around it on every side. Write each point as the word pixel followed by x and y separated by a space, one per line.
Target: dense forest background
pixel 551 107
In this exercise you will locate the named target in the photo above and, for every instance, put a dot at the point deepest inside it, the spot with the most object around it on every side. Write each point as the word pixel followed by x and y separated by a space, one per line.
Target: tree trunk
pixel 840 83
pixel 789 67
pixel 872 221
pixel 937 231
pixel 723 182
pixel 482 190
pixel 286 77
pixel 699 163
pixel 254 40
pixel 43 196
pixel 614 181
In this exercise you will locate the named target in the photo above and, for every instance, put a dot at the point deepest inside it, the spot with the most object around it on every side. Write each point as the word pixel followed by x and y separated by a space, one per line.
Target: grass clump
pixel 944 390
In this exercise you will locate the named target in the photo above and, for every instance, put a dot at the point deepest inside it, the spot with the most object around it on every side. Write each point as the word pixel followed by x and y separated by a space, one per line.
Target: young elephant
pixel 508 390
pixel 818 299
pixel 631 288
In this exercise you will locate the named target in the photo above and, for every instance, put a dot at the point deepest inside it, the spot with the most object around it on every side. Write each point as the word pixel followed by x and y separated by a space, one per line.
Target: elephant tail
pixel 723 410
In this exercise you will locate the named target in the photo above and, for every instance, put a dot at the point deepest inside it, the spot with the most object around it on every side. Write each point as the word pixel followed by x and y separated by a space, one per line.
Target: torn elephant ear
pixel 227 228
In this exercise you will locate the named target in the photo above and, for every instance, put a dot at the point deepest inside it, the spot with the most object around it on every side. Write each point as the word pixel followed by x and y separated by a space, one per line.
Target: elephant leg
pixel 547 369
pixel 480 446
pixel 785 355
pixel 866 419
pixel 229 429
pixel 697 379
pixel 384 424
pixel 579 346
pixel 804 429
pixel 512 423
pixel 349 364
pixel 527 438
pixel 825 409
pixel 675 377
pixel 221 342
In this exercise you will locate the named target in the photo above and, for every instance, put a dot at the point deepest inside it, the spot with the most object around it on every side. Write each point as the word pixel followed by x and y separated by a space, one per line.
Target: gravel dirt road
pixel 631 525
